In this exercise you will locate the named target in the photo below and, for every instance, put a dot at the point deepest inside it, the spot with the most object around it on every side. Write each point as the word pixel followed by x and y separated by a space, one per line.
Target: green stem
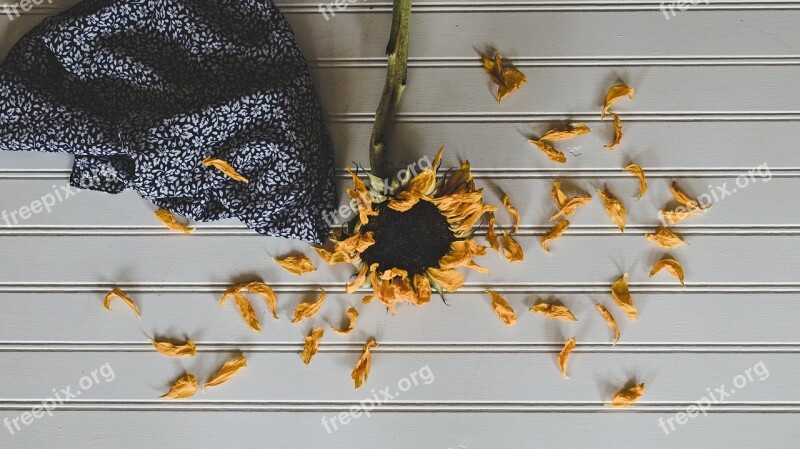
pixel 397 59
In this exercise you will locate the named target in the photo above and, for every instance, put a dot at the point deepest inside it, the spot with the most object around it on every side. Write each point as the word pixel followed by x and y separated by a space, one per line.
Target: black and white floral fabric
pixel 141 91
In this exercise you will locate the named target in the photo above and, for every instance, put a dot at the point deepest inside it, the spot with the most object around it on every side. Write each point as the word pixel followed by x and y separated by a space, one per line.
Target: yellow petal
pixel 549 151
pixel 614 94
pixel 403 201
pixel 628 396
pixel 558 195
pixel 563 356
pixel 477 267
pixel 574 130
pixel 621 295
pixel 228 370
pixel 571 205
pixel 266 292
pixel 352 314
pixel 356 243
pixel 617 132
pixel 665 238
pixel 187 349
pixel 614 208
pixel 423 289
pixel 684 199
pixel 311 345
pixel 394 273
pixel 232 291
pixel 513 211
pixel 507 79
pixel 308 309
pixel 331 258
pixel 360 280
pixel 491 235
pixel 171 223
pixel 639 173
pixel 437 160
pixel 362 198
pixel 246 309
pixel 361 371
pixel 449 280
pixel 423 183
pixel 121 295
pixel 672 217
pixel 612 323
pixel 672 266
pixel 459 182
pixel 554 233
pixel 502 308
pixel 184 387
pixel 554 311
pixel 225 168
pixel 512 250
pixel 296 264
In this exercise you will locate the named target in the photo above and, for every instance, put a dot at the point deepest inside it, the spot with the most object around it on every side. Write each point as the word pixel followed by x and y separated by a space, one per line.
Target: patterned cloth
pixel 141 91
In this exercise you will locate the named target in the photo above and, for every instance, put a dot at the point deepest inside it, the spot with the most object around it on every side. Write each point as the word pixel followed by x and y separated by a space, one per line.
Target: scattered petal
pixel 225 168
pixel 628 396
pixel 491 235
pixel 308 309
pixel 171 223
pixel 246 310
pixel 573 130
pixel 617 132
pixel 621 295
pixel 311 345
pixel 639 173
pixel 513 211
pixel 502 308
pixel 352 314
pixel 121 295
pixel 549 151
pixel 614 94
pixel 682 198
pixel 571 205
pixel 361 371
pixel 296 264
pixel 614 208
pixel 665 238
pixel 612 323
pixel 672 266
pixel 512 250
pixel 559 196
pixel 554 233
pixel 187 349
pixel 184 387
pixel 266 292
pixel 507 79
pixel 228 370
pixel 563 356
pixel 672 217
pixel 554 311
pixel 360 280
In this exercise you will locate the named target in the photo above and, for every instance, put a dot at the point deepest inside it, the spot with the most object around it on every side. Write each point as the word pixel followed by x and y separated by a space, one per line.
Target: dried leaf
pixel 450 280
pixel 121 295
pixel 502 308
pixel 187 349
pixel 512 250
pixel 352 314
pixel 612 323
pixel 614 94
pixel 554 233
pixel 225 168
pixel 573 130
pixel 508 79
pixel 549 151
pixel 672 266
pixel 621 295
pixel 628 396
pixel 228 370
pixel 491 235
pixel 665 238
pixel 617 132
pixel 614 208
pixel 296 264
pixel 513 211
pixel 266 292
pixel 361 371
pixel 171 223
pixel 639 173
pixel 563 356
pixel 311 345
pixel 553 311
pixel 571 205
pixel 246 310
pixel 308 309
pixel 184 387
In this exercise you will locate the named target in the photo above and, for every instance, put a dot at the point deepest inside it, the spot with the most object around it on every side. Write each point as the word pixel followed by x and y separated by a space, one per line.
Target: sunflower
pixel 411 234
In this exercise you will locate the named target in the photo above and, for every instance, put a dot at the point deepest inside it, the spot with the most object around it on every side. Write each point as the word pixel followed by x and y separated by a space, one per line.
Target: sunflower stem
pixel 396 74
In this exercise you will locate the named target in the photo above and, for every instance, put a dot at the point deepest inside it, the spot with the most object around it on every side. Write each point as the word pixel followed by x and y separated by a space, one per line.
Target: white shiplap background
pixel 717 95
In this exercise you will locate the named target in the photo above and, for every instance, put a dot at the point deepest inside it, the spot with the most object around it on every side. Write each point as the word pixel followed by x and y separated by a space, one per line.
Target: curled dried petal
pixel 563 356
pixel 549 151
pixel 171 350
pixel 558 195
pixel 502 308
pixel 491 235
pixel 513 211
pixel 665 238
pixel 225 168
pixel 266 292
pixel 450 280
pixel 184 387
pixel 627 396
pixel 672 266
pixel 403 201
pixel 573 130
pixel 614 208
pixel 308 309
pixel 617 132
pixel 360 280
pixel 639 173
pixel 553 311
pixel 672 217
pixel 296 264
pixel 512 250
pixel 571 205
pixel 246 310
pixel 311 345
pixel 356 243
pixel 361 371
pixel 682 198
pixel 352 315
pixel 169 220
pixel 612 323
pixel 121 295
pixel 614 94
pixel 331 258
pixel 508 79
pixel 621 295
pixel 228 370
pixel 422 286
pixel 554 233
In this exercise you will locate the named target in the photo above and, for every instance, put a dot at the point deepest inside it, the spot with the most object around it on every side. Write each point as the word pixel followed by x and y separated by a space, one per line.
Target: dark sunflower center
pixel 413 240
